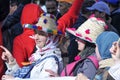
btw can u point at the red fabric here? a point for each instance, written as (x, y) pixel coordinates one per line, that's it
(30, 13)
(2, 66)
(68, 19)
(23, 46)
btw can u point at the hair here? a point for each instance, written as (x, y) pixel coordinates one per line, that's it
(40, 32)
(4, 9)
(114, 5)
(14, 2)
(52, 0)
(88, 50)
(86, 3)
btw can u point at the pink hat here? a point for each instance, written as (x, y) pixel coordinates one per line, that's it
(89, 30)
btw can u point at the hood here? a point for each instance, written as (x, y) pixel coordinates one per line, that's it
(30, 14)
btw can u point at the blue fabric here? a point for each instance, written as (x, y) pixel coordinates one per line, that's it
(104, 42)
(115, 2)
(100, 6)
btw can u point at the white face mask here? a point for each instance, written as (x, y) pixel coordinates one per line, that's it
(115, 72)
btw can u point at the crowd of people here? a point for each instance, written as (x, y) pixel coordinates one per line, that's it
(31, 38)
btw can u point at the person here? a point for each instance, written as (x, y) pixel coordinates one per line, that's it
(115, 13)
(115, 52)
(104, 43)
(4, 11)
(64, 5)
(87, 35)
(45, 47)
(104, 47)
(30, 14)
(52, 8)
(101, 10)
(13, 6)
(83, 16)
(12, 26)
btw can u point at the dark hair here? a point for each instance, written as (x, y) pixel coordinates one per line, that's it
(53, 0)
(4, 9)
(114, 5)
(40, 32)
(86, 3)
(88, 50)
(14, 2)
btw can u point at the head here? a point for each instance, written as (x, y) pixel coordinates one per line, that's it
(13, 6)
(40, 38)
(4, 9)
(113, 4)
(100, 9)
(87, 3)
(64, 5)
(87, 33)
(85, 47)
(48, 24)
(104, 42)
(30, 14)
(51, 6)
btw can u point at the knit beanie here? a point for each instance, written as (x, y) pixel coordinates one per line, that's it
(30, 14)
(104, 42)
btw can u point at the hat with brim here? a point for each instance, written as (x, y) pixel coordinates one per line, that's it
(89, 30)
(100, 6)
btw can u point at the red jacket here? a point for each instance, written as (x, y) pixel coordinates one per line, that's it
(68, 19)
(2, 65)
(23, 46)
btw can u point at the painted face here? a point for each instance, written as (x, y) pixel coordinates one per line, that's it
(81, 44)
(97, 53)
(40, 40)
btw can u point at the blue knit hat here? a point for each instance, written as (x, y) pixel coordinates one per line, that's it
(104, 42)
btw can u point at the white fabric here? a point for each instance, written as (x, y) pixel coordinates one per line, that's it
(50, 63)
(115, 71)
(51, 78)
(12, 68)
(44, 8)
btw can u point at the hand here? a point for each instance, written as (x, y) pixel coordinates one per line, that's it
(7, 77)
(52, 74)
(6, 55)
(81, 77)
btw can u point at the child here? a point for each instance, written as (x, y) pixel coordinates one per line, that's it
(46, 44)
